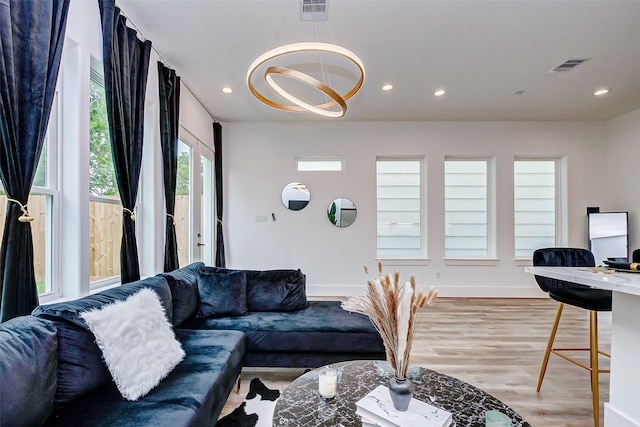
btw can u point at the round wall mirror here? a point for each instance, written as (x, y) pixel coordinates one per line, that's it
(342, 212)
(295, 196)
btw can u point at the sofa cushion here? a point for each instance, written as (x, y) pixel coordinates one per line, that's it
(271, 290)
(28, 363)
(137, 342)
(222, 294)
(193, 394)
(322, 327)
(80, 365)
(276, 290)
(183, 283)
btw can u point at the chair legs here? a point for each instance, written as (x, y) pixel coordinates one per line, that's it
(593, 358)
(552, 337)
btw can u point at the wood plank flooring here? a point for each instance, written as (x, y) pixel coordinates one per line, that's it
(498, 345)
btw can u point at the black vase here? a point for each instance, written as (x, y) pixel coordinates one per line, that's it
(401, 391)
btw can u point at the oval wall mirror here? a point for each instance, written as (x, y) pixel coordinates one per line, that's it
(295, 196)
(342, 212)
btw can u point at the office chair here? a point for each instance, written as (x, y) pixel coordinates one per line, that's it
(578, 295)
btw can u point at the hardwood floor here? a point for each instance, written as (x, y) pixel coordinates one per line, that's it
(498, 346)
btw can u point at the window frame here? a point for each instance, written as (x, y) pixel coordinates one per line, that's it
(561, 202)
(299, 160)
(421, 258)
(52, 193)
(96, 75)
(199, 149)
(490, 184)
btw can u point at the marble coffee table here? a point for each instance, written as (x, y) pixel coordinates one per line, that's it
(300, 404)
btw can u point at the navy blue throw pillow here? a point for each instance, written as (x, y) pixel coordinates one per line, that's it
(222, 294)
(276, 290)
(271, 290)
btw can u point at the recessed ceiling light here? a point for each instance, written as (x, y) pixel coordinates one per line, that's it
(387, 87)
(439, 92)
(601, 92)
(227, 89)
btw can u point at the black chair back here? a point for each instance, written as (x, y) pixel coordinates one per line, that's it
(561, 257)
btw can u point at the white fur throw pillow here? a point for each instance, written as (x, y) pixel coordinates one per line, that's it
(137, 342)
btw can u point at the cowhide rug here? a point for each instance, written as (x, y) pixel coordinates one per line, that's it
(256, 410)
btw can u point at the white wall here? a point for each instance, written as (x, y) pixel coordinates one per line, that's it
(623, 170)
(259, 159)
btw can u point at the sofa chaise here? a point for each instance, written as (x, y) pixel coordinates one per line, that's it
(54, 374)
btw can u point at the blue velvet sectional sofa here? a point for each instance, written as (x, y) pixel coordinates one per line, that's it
(53, 374)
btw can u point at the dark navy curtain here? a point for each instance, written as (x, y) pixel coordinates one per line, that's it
(169, 90)
(217, 145)
(126, 64)
(31, 38)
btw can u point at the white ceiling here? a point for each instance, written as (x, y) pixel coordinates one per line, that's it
(481, 52)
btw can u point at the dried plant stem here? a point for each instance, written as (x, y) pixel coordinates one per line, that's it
(395, 309)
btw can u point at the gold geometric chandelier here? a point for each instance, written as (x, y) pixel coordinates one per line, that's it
(325, 109)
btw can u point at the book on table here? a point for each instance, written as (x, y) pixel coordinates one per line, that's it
(368, 423)
(377, 407)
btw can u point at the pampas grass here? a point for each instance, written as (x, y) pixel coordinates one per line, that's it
(394, 308)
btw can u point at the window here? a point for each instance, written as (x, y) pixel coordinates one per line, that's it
(182, 215)
(320, 165)
(466, 208)
(535, 201)
(105, 208)
(399, 208)
(41, 206)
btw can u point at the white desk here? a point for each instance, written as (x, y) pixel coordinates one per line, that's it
(623, 408)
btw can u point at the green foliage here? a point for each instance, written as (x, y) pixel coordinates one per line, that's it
(102, 180)
(40, 179)
(182, 178)
(332, 213)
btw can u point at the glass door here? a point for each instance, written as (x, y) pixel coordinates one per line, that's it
(206, 233)
(183, 209)
(194, 201)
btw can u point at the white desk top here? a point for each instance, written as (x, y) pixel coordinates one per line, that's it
(628, 283)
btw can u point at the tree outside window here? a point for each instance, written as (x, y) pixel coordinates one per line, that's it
(105, 209)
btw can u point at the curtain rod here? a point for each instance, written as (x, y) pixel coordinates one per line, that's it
(167, 64)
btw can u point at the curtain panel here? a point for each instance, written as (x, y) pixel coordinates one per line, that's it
(217, 145)
(31, 38)
(126, 65)
(169, 90)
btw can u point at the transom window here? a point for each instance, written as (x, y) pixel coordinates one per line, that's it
(320, 165)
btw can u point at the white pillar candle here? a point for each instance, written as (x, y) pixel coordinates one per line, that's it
(328, 382)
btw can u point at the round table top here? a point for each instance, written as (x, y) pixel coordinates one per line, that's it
(301, 405)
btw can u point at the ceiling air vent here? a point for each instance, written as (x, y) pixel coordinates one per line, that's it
(567, 65)
(314, 10)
